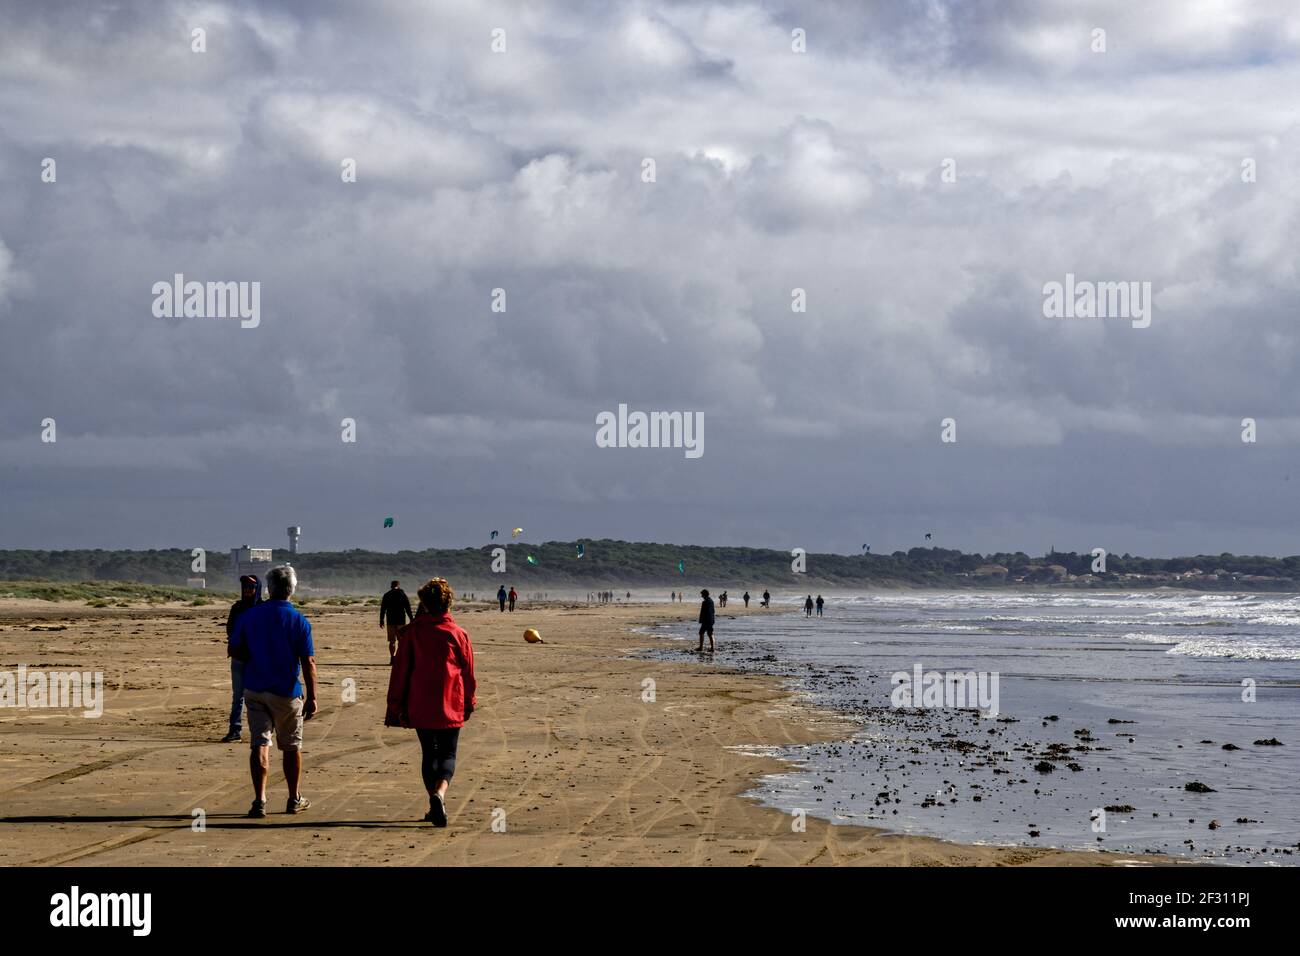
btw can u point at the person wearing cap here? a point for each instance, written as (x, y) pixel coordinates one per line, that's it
(250, 594)
(706, 620)
(432, 689)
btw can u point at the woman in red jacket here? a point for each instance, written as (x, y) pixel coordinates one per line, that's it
(431, 688)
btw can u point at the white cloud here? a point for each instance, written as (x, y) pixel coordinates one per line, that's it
(775, 170)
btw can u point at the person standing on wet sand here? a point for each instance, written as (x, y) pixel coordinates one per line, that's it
(432, 689)
(808, 606)
(512, 597)
(501, 597)
(767, 599)
(745, 597)
(707, 615)
(820, 605)
(396, 607)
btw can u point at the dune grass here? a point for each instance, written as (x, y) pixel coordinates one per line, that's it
(111, 593)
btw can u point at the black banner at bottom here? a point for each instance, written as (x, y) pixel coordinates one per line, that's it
(142, 906)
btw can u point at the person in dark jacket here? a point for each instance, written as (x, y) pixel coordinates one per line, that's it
(250, 594)
(706, 620)
(501, 597)
(808, 607)
(432, 689)
(396, 609)
(820, 604)
(745, 598)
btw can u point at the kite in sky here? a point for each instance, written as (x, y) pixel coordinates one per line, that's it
(531, 559)
(388, 522)
(517, 532)
(681, 567)
(494, 535)
(581, 550)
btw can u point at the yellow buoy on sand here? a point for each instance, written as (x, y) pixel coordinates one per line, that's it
(532, 637)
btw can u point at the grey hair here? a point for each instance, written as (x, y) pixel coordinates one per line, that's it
(281, 581)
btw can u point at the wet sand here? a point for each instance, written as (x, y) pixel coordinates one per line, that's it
(563, 750)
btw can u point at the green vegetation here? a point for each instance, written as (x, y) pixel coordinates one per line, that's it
(104, 593)
(158, 576)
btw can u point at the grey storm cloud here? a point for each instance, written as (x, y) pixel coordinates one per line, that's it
(774, 171)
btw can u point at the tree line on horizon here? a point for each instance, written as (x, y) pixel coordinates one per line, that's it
(622, 564)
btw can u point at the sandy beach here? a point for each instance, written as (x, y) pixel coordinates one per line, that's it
(584, 770)
(563, 749)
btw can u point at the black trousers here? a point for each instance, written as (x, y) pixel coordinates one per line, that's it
(438, 751)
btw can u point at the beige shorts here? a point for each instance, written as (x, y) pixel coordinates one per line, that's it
(269, 712)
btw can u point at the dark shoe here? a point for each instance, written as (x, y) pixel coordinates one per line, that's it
(297, 806)
(258, 810)
(437, 814)
(231, 738)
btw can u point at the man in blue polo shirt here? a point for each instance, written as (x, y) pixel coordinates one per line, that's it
(274, 640)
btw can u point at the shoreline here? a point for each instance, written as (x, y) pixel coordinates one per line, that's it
(583, 770)
(829, 726)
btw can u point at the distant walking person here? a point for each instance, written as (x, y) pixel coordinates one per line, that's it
(706, 620)
(820, 605)
(722, 599)
(808, 606)
(250, 594)
(274, 640)
(501, 597)
(745, 597)
(513, 597)
(767, 599)
(432, 689)
(396, 608)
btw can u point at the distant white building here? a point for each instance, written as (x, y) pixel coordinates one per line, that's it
(246, 560)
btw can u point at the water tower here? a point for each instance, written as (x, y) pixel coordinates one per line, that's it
(294, 533)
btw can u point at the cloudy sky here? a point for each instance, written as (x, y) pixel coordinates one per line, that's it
(775, 170)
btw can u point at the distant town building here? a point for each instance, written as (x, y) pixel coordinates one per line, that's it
(196, 582)
(295, 533)
(246, 560)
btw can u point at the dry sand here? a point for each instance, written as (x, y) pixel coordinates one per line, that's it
(584, 770)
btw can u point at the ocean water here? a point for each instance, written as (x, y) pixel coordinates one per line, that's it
(1126, 696)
